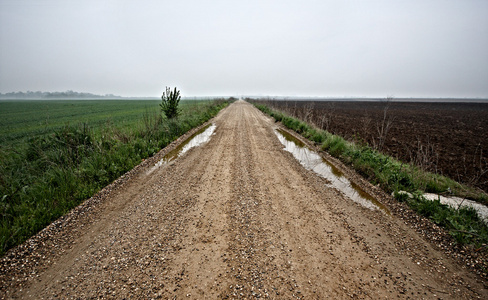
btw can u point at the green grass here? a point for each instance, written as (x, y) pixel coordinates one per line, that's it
(393, 176)
(463, 224)
(55, 154)
(21, 120)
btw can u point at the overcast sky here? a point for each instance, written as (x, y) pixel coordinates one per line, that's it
(413, 48)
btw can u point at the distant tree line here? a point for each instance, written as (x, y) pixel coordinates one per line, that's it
(54, 95)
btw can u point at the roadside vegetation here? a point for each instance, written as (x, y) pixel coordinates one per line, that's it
(50, 165)
(394, 176)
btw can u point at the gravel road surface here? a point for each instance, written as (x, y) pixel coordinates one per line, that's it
(237, 217)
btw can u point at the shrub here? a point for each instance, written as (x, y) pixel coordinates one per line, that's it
(169, 103)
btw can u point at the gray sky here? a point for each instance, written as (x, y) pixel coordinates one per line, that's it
(413, 48)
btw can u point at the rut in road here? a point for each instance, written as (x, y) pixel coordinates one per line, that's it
(240, 218)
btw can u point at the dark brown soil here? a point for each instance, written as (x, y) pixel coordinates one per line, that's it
(448, 138)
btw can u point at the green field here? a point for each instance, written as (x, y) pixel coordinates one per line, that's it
(55, 154)
(21, 120)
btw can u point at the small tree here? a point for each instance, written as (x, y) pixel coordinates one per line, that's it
(169, 103)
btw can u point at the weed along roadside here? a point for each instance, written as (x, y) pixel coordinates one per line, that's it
(45, 176)
(464, 225)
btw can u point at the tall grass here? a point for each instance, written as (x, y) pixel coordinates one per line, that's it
(49, 174)
(394, 176)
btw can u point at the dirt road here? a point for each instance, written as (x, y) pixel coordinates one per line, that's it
(235, 218)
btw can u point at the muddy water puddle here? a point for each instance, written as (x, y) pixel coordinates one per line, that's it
(197, 139)
(456, 203)
(311, 160)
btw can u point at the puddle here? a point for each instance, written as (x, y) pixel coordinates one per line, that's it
(456, 202)
(311, 160)
(198, 138)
